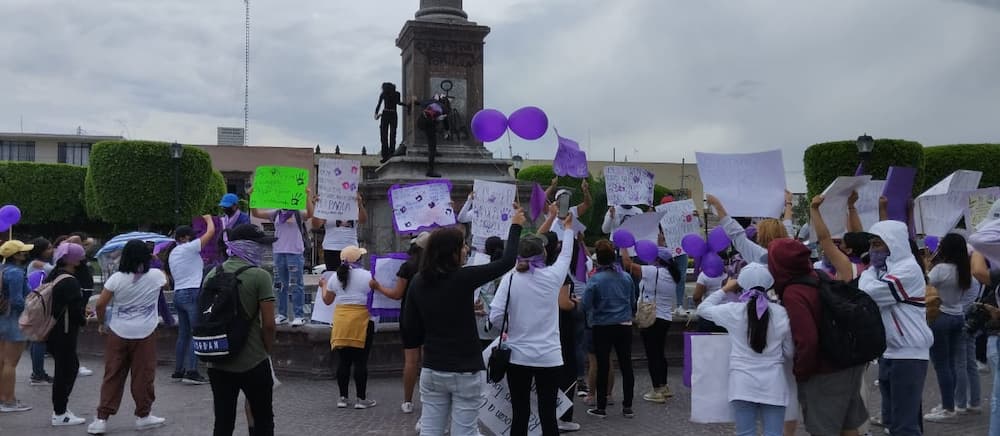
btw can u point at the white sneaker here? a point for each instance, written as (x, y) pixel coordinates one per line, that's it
(566, 426)
(66, 419)
(281, 320)
(149, 421)
(342, 403)
(364, 404)
(298, 322)
(407, 407)
(85, 372)
(940, 416)
(99, 426)
(14, 407)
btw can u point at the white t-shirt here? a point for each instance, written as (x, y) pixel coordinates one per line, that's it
(657, 282)
(133, 306)
(711, 284)
(754, 377)
(339, 237)
(186, 266)
(578, 227)
(357, 287)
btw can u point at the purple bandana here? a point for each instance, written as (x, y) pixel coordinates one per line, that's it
(284, 216)
(761, 299)
(249, 251)
(536, 261)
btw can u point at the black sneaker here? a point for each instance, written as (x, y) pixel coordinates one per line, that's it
(582, 390)
(628, 413)
(41, 380)
(193, 378)
(600, 413)
(177, 376)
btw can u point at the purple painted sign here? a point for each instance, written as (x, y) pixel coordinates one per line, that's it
(421, 206)
(899, 190)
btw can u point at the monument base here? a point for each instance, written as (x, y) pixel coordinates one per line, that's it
(456, 162)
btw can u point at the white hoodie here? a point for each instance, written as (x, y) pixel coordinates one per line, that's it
(899, 293)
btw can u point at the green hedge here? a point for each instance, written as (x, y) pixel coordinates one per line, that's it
(216, 189)
(942, 160)
(825, 162)
(132, 182)
(45, 193)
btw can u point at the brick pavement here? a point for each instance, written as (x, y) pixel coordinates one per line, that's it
(306, 407)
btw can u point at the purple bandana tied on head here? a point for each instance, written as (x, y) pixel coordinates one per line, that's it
(536, 261)
(249, 251)
(761, 299)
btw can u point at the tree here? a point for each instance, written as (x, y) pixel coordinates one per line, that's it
(132, 183)
(825, 162)
(942, 160)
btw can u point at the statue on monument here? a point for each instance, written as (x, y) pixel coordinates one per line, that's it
(388, 100)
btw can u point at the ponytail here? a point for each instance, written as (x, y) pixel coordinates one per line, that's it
(757, 328)
(343, 274)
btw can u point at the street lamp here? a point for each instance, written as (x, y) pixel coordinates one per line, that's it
(518, 163)
(865, 145)
(176, 152)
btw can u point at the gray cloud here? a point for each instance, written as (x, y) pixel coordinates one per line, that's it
(654, 80)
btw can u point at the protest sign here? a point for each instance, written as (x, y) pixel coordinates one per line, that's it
(496, 412)
(644, 226)
(980, 202)
(384, 269)
(279, 188)
(492, 208)
(322, 312)
(749, 184)
(899, 191)
(338, 189)
(958, 181)
(834, 207)
(679, 220)
(421, 206)
(710, 379)
(569, 159)
(936, 215)
(628, 185)
(867, 204)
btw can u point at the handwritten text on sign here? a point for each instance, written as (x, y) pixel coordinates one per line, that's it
(496, 412)
(679, 220)
(279, 188)
(492, 208)
(748, 184)
(421, 206)
(338, 189)
(628, 185)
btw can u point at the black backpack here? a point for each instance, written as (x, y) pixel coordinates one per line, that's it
(222, 327)
(850, 330)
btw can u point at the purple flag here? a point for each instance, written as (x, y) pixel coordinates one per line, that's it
(537, 201)
(899, 190)
(860, 171)
(570, 160)
(581, 263)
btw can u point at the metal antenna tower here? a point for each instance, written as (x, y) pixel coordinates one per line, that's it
(246, 75)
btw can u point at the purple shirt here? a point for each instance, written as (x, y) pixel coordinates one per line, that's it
(286, 229)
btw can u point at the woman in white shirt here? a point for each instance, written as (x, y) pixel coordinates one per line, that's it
(657, 283)
(353, 331)
(130, 347)
(529, 298)
(761, 341)
(340, 234)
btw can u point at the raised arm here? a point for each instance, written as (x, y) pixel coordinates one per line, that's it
(551, 190)
(747, 248)
(629, 266)
(464, 215)
(311, 201)
(209, 230)
(582, 208)
(883, 208)
(476, 276)
(362, 213)
(549, 219)
(609, 217)
(853, 219)
(840, 261)
(980, 270)
(788, 215)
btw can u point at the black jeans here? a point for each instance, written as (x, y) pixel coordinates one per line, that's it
(519, 379)
(430, 132)
(654, 340)
(358, 358)
(257, 386)
(387, 127)
(62, 346)
(618, 337)
(567, 377)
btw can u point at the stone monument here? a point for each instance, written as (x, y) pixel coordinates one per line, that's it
(442, 53)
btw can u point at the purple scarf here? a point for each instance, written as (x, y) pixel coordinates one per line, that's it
(536, 261)
(249, 251)
(762, 302)
(284, 216)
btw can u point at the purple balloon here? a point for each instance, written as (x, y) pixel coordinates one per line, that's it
(712, 265)
(529, 123)
(623, 238)
(646, 250)
(4, 225)
(932, 242)
(718, 240)
(10, 214)
(694, 246)
(488, 125)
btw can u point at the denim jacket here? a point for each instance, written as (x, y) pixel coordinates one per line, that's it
(15, 286)
(609, 298)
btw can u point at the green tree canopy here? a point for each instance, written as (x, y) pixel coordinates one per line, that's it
(826, 161)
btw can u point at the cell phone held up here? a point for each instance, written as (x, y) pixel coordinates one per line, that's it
(563, 204)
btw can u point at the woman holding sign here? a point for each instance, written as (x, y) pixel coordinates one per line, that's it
(340, 234)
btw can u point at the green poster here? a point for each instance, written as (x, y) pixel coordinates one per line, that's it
(279, 188)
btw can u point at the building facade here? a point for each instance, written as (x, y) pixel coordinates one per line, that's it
(49, 148)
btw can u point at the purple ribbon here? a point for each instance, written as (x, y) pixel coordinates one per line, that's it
(761, 299)
(536, 261)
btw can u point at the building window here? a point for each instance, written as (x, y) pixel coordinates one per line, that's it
(74, 153)
(237, 182)
(17, 151)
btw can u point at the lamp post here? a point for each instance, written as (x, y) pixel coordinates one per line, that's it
(518, 163)
(865, 145)
(176, 152)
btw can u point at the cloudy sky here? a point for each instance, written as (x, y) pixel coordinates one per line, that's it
(655, 80)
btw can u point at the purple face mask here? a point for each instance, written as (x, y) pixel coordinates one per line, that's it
(878, 258)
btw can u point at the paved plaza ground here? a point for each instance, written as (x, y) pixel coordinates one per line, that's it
(307, 407)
